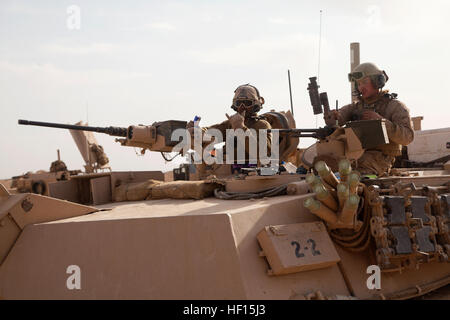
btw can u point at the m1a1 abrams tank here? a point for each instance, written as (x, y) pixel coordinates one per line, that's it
(254, 235)
(260, 233)
(38, 182)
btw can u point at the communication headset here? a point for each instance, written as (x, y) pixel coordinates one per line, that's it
(379, 81)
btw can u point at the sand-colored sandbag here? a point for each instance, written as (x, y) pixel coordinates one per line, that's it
(135, 191)
(183, 190)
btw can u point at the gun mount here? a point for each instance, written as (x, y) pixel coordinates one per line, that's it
(320, 133)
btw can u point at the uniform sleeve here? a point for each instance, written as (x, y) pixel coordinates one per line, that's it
(254, 140)
(345, 114)
(399, 127)
(222, 127)
(261, 125)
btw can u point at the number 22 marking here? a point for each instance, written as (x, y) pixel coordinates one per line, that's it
(297, 246)
(313, 247)
(298, 254)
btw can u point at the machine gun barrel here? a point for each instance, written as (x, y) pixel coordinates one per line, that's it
(319, 133)
(112, 131)
(156, 137)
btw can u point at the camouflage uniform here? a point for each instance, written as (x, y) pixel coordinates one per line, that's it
(246, 97)
(247, 102)
(399, 129)
(255, 123)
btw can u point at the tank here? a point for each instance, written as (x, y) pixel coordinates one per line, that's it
(38, 182)
(261, 237)
(300, 232)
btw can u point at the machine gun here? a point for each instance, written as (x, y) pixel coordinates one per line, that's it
(320, 133)
(156, 137)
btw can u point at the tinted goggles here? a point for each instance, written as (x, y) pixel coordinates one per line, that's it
(246, 103)
(354, 76)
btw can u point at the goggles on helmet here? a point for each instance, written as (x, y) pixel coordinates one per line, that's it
(354, 76)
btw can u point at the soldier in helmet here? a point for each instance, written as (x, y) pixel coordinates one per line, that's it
(375, 103)
(247, 102)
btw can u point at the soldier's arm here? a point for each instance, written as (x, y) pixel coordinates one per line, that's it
(260, 125)
(343, 115)
(264, 125)
(399, 127)
(222, 127)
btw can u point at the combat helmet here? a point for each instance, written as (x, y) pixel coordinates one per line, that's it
(368, 69)
(249, 96)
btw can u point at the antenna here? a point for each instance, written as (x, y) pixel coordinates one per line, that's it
(320, 44)
(87, 112)
(290, 92)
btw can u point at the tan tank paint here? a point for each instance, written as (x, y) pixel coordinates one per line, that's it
(6, 183)
(213, 253)
(19, 211)
(259, 183)
(132, 258)
(180, 249)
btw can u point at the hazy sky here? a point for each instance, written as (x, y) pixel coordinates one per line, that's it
(136, 62)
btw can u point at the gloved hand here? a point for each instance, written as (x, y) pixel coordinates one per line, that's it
(331, 117)
(190, 128)
(370, 115)
(190, 124)
(237, 120)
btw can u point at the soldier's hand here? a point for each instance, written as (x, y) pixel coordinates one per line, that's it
(331, 117)
(190, 124)
(190, 127)
(236, 120)
(370, 115)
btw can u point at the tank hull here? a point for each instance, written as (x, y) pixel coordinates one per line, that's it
(187, 249)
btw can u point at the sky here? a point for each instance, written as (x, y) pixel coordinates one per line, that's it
(136, 62)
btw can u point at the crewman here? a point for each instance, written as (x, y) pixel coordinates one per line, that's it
(247, 102)
(375, 103)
